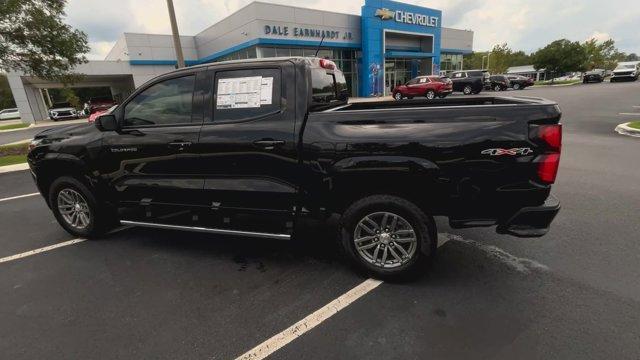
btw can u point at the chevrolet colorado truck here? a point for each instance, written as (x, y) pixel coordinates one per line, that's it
(260, 147)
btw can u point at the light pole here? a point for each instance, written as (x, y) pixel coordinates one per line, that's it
(485, 56)
(176, 35)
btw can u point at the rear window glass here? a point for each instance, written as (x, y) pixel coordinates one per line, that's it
(323, 83)
(437, 79)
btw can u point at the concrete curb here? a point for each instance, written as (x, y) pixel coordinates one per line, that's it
(554, 85)
(624, 129)
(15, 167)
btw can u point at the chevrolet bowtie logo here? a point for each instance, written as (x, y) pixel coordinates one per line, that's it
(385, 14)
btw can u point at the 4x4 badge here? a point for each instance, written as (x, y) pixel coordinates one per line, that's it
(512, 151)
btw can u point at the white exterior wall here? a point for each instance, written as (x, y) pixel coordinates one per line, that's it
(249, 23)
(158, 47)
(457, 39)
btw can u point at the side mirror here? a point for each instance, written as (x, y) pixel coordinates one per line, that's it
(107, 122)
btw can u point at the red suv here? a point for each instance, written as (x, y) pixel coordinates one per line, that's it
(427, 86)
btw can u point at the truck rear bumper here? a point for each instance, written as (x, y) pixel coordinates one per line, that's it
(531, 221)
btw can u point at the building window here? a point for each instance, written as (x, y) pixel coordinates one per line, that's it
(450, 62)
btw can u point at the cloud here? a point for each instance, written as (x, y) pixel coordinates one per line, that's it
(599, 36)
(523, 24)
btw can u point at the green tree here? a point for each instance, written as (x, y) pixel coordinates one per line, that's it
(561, 56)
(603, 55)
(6, 97)
(474, 60)
(34, 39)
(632, 57)
(70, 96)
(500, 59)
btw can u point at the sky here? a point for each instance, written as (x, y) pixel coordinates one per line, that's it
(523, 24)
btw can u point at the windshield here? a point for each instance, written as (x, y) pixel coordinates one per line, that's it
(626, 66)
(61, 105)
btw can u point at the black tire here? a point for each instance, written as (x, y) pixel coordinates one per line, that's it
(101, 219)
(430, 94)
(467, 90)
(516, 86)
(422, 225)
(497, 88)
(398, 96)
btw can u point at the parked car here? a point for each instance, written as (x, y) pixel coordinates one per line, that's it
(96, 114)
(626, 71)
(192, 155)
(100, 104)
(431, 86)
(468, 81)
(11, 113)
(63, 110)
(497, 83)
(519, 82)
(596, 75)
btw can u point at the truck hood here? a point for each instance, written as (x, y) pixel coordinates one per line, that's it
(616, 71)
(64, 132)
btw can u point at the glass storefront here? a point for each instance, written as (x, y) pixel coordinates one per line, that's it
(346, 60)
(450, 62)
(396, 72)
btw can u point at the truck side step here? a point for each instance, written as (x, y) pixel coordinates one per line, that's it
(208, 230)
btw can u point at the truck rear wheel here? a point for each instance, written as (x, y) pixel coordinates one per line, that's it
(387, 236)
(76, 208)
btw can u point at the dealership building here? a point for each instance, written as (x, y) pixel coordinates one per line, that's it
(387, 44)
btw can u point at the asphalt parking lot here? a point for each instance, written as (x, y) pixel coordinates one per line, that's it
(141, 293)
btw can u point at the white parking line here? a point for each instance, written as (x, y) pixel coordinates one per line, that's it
(294, 331)
(630, 114)
(298, 329)
(40, 250)
(19, 197)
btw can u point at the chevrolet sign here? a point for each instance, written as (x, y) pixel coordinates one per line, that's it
(407, 17)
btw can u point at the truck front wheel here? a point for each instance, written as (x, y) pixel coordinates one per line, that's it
(467, 90)
(77, 209)
(387, 236)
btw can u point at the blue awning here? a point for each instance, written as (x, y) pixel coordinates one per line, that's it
(407, 54)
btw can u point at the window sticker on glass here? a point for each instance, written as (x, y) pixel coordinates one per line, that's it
(265, 91)
(243, 92)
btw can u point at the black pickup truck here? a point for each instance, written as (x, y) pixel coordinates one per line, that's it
(256, 148)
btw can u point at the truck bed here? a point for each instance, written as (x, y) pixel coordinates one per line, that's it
(475, 101)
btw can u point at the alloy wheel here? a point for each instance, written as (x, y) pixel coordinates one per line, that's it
(74, 209)
(385, 239)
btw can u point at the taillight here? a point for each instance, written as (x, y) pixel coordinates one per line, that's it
(549, 137)
(548, 167)
(327, 64)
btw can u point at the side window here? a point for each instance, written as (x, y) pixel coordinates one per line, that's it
(423, 80)
(246, 94)
(164, 103)
(412, 82)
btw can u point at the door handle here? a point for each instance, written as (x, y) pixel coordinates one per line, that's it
(180, 144)
(269, 144)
